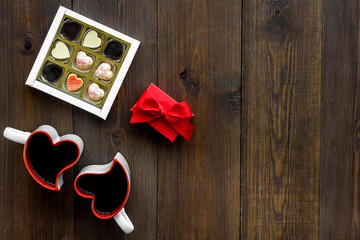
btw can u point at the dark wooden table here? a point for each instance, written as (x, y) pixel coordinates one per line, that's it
(274, 86)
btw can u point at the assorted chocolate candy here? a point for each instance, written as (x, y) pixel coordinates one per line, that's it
(71, 30)
(114, 50)
(104, 71)
(52, 72)
(83, 61)
(60, 51)
(91, 40)
(74, 83)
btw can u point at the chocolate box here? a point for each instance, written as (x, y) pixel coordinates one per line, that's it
(82, 62)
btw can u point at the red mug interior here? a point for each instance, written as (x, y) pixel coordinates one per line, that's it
(46, 161)
(109, 191)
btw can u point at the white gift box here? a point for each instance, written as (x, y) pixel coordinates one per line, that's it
(100, 109)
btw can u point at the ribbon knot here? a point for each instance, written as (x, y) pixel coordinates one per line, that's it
(168, 117)
(162, 111)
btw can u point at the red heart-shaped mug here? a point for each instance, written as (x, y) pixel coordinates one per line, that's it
(46, 154)
(108, 186)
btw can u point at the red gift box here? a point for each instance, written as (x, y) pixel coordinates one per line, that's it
(163, 113)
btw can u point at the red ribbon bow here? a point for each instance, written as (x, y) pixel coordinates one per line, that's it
(163, 113)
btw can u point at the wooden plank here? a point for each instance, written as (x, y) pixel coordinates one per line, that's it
(281, 119)
(339, 186)
(28, 211)
(199, 61)
(135, 142)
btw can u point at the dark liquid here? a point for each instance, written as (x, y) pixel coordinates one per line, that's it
(70, 30)
(114, 50)
(109, 189)
(48, 160)
(52, 72)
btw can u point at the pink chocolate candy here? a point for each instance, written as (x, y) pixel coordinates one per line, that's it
(103, 71)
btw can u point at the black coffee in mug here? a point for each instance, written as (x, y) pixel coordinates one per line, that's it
(46, 154)
(109, 189)
(108, 186)
(48, 160)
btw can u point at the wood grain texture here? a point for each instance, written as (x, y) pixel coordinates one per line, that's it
(281, 119)
(27, 211)
(339, 199)
(105, 138)
(283, 73)
(199, 61)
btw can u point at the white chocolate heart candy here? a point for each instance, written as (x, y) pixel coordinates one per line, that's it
(83, 61)
(95, 92)
(104, 72)
(91, 40)
(60, 51)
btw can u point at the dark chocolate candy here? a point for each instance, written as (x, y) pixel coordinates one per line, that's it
(70, 30)
(113, 50)
(52, 72)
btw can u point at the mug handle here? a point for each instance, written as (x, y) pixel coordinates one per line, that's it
(16, 135)
(124, 221)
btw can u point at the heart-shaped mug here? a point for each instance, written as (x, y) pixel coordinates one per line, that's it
(108, 186)
(46, 154)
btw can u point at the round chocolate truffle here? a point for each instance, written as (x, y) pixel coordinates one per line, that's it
(52, 72)
(114, 50)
